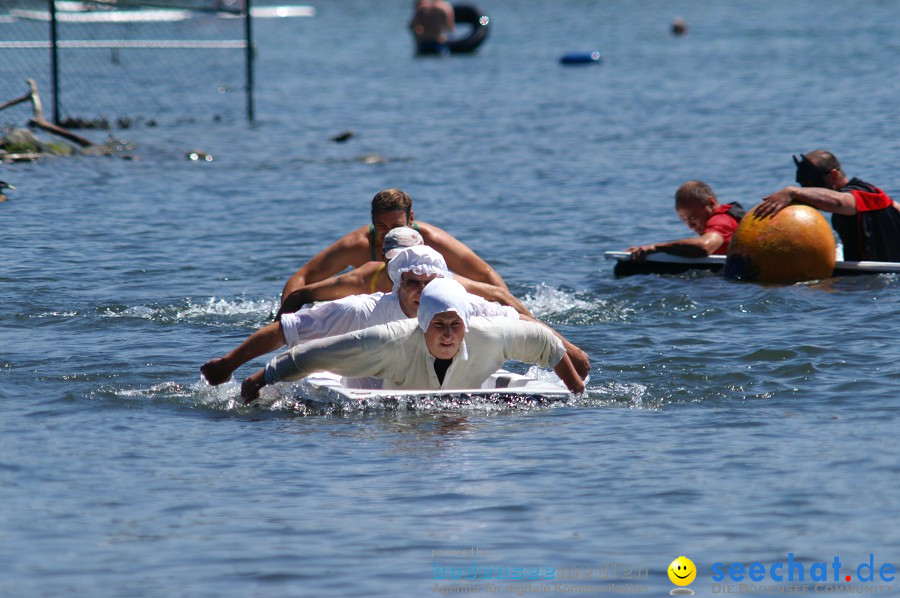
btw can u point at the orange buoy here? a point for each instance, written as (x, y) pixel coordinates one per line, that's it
(795, 244)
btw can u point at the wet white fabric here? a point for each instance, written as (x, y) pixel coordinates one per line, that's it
(442, 295)
(339, 317)
(397, 353)
(361, 311)
(421, 260)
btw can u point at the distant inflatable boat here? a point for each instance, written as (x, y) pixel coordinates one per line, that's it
(663, 263)
(466, 44)
(481, 26)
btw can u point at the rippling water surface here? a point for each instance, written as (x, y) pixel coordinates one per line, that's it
(727, 422)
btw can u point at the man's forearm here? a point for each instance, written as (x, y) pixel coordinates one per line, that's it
(566, 372)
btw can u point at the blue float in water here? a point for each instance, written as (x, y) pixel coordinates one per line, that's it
(581, 58)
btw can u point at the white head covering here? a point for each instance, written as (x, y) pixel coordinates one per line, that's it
(421, 260)
(440, 295)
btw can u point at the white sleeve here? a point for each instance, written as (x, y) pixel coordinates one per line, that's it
(327, 319)
(482, 307)
(367, 352)
(528, 342)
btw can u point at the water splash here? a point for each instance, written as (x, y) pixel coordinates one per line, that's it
(576, 308)
(252, 312)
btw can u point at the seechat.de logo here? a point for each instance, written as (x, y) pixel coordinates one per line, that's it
(682, 572)
(795, 570)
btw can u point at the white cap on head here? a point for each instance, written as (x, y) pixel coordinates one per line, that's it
(421, 260)
(443, 295)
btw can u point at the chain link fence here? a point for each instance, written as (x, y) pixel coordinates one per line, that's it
(123, 62)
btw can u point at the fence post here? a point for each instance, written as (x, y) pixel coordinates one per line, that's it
(248, 34)
(54, 64)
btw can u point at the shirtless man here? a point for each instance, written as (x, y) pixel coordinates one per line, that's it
(430, 24)
(390, 208)
(372, 277)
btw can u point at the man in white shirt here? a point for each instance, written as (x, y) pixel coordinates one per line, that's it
(445, 348)
(410, 270)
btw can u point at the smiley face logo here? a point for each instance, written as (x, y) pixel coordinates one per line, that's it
(682, 571)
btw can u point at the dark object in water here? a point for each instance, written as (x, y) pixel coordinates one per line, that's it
(679, 27)
(342, 137)
(481, 25)
(581, 58)
(4, 185)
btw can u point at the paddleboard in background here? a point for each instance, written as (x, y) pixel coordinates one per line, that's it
(105, 16)
(663, 263)
(281, 12)
(78, 12)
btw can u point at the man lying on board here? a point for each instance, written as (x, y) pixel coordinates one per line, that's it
(445, 348)
(699, 209)
(390, 208)
(865, 218)
(411, 270)
(372, 277)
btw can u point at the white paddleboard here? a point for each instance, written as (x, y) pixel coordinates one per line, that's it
(502, 387)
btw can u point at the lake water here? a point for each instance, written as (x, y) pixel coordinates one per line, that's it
(726, 422)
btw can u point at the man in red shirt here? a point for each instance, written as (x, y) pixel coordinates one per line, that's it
(699, 209)
(866, 219)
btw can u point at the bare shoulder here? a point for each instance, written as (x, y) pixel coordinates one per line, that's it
(434, 236)
(353, 248)
(355, 240)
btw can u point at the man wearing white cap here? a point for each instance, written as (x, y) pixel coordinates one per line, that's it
(446, 348)
(410, 269)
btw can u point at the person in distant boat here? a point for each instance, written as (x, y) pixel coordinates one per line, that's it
(699, 209)
(679, 27)
(4, 185)
(445, 348)
(372, 277)
(431, 22)
(390, 208)
(865, 218)
(411, 269)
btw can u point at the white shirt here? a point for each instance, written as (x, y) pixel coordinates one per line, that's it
(361, 311)
(397, 353)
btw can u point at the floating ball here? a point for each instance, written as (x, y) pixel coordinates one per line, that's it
(581, 58)
(795, 244)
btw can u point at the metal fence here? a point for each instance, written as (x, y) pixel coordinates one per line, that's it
(126, 60)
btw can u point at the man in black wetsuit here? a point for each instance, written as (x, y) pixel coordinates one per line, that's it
(866, 219)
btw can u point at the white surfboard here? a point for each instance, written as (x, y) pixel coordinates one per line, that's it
(502, 387)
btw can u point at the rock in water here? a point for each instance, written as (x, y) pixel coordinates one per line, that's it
(795, 244)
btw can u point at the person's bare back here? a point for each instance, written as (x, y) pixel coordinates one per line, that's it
(432, 21)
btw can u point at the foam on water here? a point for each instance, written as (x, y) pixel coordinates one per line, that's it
(566, 307)
(253, 312)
